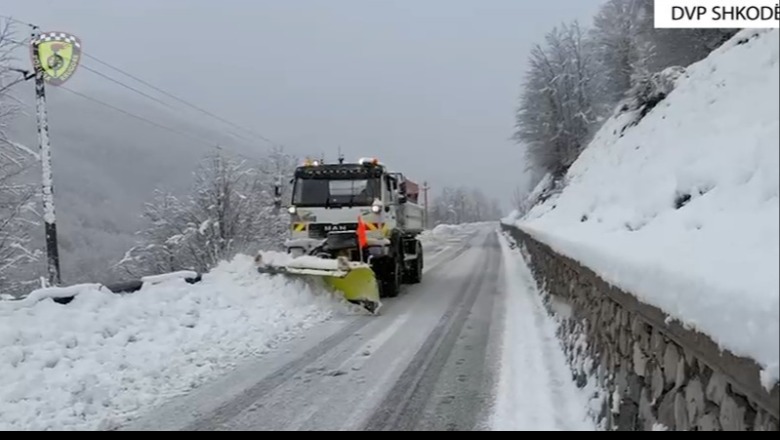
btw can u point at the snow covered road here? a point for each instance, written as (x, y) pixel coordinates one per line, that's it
(439, 357)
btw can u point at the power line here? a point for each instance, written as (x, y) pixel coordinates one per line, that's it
(146, 95)
(128, 87)
(9, 18)
(121, 84)
(125, 112)
(24, 42)
(132, 115)
(159, 101)
(164, 92)
(180, 100)
(156, 124)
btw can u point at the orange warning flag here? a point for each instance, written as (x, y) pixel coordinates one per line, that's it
(361, 232)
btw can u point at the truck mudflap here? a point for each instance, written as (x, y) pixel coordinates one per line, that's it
(355, 281)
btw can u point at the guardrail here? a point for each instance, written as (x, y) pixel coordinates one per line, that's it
(132, 286)
(652, 370)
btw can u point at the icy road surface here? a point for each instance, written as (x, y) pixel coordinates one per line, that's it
(439, 357)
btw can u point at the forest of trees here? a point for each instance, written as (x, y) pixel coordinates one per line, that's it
(462, 205)
(578, 77)
(231, 209)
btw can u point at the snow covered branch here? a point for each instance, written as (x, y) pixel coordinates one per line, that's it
(577, 79)
(230, 210)
(16, 196)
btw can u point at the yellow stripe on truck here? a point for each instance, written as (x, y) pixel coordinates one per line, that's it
(299, 227)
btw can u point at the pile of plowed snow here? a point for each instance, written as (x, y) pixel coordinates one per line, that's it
(99, 360)
(444, 236)
(681, 209)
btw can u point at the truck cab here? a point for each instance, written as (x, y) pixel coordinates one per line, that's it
(328, 203)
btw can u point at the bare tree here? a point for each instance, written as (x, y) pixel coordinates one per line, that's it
(231, 210)
(556, 116)
(16, 196)
(618, 47)
(676, 47)
(629, 49)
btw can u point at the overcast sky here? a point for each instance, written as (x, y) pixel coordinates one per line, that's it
(428, 86)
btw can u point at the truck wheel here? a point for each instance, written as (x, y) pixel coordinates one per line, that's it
(391, 280)
(415, 270)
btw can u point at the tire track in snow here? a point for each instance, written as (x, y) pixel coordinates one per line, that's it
(403, 405)
(248, 398)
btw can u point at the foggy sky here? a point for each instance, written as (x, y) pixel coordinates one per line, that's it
(428, 86)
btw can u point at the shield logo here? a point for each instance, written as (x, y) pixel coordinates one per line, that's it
(57, 54)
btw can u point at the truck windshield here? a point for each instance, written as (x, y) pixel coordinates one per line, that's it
(335, 193)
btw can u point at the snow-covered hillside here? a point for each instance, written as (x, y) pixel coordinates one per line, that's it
(682, 208)
(102, 358)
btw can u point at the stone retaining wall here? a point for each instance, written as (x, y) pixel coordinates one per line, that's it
(656, 372)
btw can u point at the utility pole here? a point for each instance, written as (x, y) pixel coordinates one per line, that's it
(425, 189)
(55, 56)
(49, 218)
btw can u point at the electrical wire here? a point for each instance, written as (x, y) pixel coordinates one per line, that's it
(180, 100)
(133, 115)
(156, 124)
(159, 90)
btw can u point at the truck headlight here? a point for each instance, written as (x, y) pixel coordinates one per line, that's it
(292, 210)
(376, 209)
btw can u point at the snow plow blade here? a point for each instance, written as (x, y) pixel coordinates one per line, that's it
(354, 280)
(359, 286)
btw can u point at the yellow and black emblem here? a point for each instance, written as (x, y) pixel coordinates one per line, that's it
(57, 54)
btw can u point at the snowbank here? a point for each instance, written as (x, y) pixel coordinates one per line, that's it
(283, 259)
(441, 230)
(535, 390)
(180, 275)
(39, 295)
(443, 236)
(103, 358)
(512, 217)
(682, 208)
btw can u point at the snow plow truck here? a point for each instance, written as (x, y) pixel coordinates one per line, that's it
(356, 226)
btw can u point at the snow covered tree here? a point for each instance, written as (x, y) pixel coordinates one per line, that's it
(573, 82)
(557, 115)
(274, 172)
(629, 48)
(676, 47)
(618, 48)
(231, 210)
(463, 205)
(16, 196)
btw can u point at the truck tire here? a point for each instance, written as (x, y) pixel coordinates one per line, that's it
(390, 285)
(414, 272)
(388, 276)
